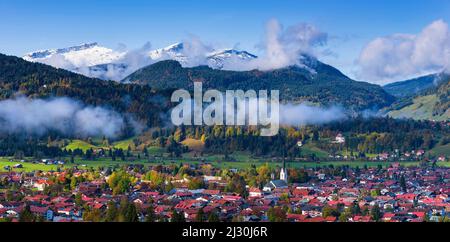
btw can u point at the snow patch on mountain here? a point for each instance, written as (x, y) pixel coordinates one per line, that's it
(71, 58)
(97, 61)
(220, 58)
(214, 59)
(173, 52)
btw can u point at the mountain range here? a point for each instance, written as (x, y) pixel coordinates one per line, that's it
(143, 90)
(85, 55)
(325, 86)
(36, 80)
(430, 103)
(413, 86)
(314, 82)
(96, 61)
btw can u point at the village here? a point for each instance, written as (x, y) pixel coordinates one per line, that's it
(202, 193)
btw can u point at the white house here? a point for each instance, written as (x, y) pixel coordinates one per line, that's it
(340, 139)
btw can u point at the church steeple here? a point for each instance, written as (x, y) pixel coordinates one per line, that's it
(283, 172)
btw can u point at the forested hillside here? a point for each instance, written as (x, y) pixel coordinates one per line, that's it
(319, 83)
(431, 104)
(412, 86)
(35, 80)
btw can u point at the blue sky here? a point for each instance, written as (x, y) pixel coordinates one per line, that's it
(28, 25)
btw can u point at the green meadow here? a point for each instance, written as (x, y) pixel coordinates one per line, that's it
(216, 161)
(238, 160)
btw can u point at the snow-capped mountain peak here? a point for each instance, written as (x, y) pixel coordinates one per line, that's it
(46, 53)
(227, 53)
(214, 59)
(173, 52)
(94, 60)
(217, 59)
(79, 56)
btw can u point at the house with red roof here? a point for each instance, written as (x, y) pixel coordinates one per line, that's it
(255, 192)
(361, 219)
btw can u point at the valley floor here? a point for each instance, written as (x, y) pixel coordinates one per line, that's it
(107, 162)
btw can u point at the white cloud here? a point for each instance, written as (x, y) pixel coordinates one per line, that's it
(304, 114)
(401, 56)
(283, 47)
(280, 48)
(37, 116)
(129, 62)
(196, 51)
(59, 61)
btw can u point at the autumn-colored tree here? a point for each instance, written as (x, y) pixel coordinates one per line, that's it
(276, 214)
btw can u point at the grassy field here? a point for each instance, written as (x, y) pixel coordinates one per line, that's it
(97, 144)
(368, 155)
(309, 149)
(124, 144)
(79, 144)
(422, 108)
(441, 150)
(193, 144)
(239, 160)
(27, 167)
(106, 162)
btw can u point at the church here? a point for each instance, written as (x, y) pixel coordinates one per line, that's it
(280, 183)
(284, 172)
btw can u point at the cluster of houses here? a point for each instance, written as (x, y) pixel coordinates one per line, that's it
(423, 196)
(396, 155)
(414, 155)
(409, 155)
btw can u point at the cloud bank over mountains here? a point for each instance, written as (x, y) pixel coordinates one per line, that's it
(402, 56)
(383, 60)
(284, 47)
(280, 48)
